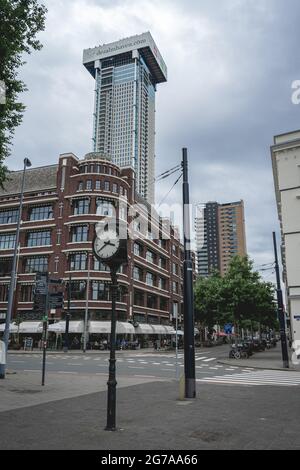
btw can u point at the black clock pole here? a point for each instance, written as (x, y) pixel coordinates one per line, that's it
(112, 383)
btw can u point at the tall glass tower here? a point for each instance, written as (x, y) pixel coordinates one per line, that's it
(126, 73)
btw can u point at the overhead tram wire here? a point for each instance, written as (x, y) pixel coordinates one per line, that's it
(177, 167)
(166, 174)
(165, 197)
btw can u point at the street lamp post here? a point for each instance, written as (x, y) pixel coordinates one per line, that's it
(281, 316)
(27, 164)
(66, 343)
(86, 305)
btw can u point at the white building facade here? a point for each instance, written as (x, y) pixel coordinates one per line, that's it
(286, 169)
(126, 73)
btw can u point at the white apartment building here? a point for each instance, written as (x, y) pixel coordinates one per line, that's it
(286, 169)
(126, 73)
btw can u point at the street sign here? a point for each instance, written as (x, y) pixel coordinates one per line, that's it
(228, 329)
(56, 281)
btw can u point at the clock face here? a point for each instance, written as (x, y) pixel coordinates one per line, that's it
(106, 244)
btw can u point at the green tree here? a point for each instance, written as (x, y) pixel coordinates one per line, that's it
(209, 301)
(239, 297)
(20, 22)
(239, 290)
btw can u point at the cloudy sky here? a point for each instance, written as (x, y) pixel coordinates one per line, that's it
(231, 64)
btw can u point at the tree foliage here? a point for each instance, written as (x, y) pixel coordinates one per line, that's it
(20, 22)
(240, 297)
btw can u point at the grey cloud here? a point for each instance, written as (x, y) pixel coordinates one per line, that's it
(231, 64)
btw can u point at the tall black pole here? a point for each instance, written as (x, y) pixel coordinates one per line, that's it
(66, 343)
(112, 383)
(12, 284)
(188, 295)
(45, 328)
(281, 317)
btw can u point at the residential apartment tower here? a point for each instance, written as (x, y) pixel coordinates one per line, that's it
(220, 235)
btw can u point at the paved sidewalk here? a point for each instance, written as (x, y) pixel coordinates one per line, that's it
(268, 359)
(23, 389)
(149, 416)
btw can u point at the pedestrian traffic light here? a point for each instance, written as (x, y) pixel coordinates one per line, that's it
(39, 302)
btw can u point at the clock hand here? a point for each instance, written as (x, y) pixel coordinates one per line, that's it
(105, 244)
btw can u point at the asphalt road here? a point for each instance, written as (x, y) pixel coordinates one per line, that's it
(152, 365)
(160, 365)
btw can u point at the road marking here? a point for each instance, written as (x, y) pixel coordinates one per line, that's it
(66, 372)
(73, 364)
(132, 367)
(146, 376)
(211, 359)
(32, 370)
(168, 370)
(156, 363)
(201, 358)
(263, 377)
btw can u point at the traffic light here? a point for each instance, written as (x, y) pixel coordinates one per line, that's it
(39, 303)
(56, 300)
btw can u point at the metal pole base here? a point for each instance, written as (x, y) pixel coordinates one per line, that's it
(190, 388)
(2, 371)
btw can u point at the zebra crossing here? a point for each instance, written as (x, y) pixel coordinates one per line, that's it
(256, 378)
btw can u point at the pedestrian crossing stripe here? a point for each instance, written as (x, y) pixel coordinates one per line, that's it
(263, 377)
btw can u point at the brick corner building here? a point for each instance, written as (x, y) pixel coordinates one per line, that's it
(62, 203)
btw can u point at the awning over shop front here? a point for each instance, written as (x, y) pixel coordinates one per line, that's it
(125, 328)
(144, 329)
(60, 327)
(99, 327)
(181, 332)
(147, 329)
(31, 327)
(162, 329)
(13, 328)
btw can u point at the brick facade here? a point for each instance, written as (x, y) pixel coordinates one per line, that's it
(58, 225)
